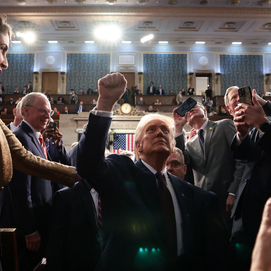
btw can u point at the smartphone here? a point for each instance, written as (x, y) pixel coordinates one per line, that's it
(186, 106)
(245, 95)
(52, 125)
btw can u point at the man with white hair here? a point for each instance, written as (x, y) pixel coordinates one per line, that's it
(151, 219)
(31, 196)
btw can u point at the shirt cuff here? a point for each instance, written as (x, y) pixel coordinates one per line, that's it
(232, 194)
(28, 235)
(102, 113)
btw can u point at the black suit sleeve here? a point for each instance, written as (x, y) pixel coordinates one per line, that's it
(57, 241)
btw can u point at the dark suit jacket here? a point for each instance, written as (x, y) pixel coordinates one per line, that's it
(62, 157)
(77, 108)
(153, 90)
(28, 205)
(158, 92)
(73, 243)
(190, 91)
(255, 185)
(132, 215)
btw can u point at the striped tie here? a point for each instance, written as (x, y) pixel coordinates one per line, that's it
(100, 220)
(42, 143)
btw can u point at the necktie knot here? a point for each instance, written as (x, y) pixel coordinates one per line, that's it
(160, 177)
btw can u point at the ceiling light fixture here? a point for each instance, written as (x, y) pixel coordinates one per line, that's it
(52, 41)
(80, 1)
(16, 41)
(108, 32)
(200, 42)
(269, 43)
(29, 37)
(163, 42)
(236, 43)
(50, 1)
(147, 38)
(126, 41)
(89, 41)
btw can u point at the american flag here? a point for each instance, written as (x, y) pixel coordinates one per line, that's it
(123, 141)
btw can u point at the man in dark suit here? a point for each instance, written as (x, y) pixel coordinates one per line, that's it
(190, 90)
(29, 88)
(255, 185)
(151, 219)
(28, 209)
(80, 107)
(151, 90)
(73, 243)
(160, 91)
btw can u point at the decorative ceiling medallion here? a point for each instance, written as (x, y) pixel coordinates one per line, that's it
(172, 2)
(267, 25)
(203, 60)
(50, 60)
(142, 2)
(264, 3)
(50, 1)
(203, 2)
(21, 2)
(234, 2)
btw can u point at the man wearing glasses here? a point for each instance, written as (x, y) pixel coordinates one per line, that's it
(175, 164)
(28, 207)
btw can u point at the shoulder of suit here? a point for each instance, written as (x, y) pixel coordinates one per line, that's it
(223, 122)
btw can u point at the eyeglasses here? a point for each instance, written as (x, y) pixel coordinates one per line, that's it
(43, 112)
(175, 164)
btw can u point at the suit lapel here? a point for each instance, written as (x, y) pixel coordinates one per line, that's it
(209, 133)
(184, 198)
(31, 134)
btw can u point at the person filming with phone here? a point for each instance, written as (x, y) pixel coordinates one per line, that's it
(208, 154)
(54, 144)
(254, 146)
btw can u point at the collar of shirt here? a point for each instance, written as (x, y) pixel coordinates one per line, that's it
(36, 133)
(152, 170)
(203, 127)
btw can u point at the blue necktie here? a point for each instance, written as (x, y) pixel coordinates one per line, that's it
(201, 138)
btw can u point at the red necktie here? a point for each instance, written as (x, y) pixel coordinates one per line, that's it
(42, 143)
(168, 212)
(100, 220)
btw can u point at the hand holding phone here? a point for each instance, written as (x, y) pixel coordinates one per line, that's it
(245, 95)
(52, 125)
(186, 106)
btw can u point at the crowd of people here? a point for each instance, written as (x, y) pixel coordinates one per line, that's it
(187, 203)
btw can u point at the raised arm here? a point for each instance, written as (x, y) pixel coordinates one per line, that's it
(91, 147)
